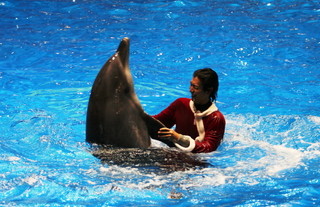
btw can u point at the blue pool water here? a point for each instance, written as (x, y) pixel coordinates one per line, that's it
(267, 54)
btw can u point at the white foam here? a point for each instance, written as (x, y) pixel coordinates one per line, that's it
(13, 158)
(315, 119)
(251, 135)
(206, 177)
(255, 148)
(313, 151)
(33, 179)
(280, 158)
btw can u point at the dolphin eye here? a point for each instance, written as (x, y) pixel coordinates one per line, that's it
(126, 90)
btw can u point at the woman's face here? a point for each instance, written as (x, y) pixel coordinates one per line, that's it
(198, 95)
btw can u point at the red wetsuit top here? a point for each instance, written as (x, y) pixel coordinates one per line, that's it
(180, 114)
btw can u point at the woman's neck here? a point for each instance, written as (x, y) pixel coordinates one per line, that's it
(203, 107)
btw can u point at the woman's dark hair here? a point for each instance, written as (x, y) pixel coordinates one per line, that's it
(209, 79)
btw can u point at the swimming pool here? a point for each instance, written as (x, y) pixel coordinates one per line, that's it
(267, 56)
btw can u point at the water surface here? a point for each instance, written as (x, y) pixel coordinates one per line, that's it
(266, 54)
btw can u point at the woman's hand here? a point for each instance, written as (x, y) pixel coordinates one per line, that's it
(173, 136)
(169, 134)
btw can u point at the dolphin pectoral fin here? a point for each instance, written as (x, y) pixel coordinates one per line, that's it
(153, 126)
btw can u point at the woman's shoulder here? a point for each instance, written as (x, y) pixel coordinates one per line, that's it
(182, 101)
(217, 115)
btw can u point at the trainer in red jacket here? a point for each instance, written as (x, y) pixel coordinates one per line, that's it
(199, 124)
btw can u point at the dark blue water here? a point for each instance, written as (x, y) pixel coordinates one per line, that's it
(267, 55)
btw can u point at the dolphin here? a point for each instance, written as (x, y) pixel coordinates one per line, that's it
(117, 125)
(114, 114)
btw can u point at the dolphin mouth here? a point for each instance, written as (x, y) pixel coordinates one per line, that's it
(123, 51)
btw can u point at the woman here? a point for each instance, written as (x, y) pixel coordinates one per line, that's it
(199, 124)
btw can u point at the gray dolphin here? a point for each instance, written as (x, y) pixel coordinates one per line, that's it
(115, 115)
